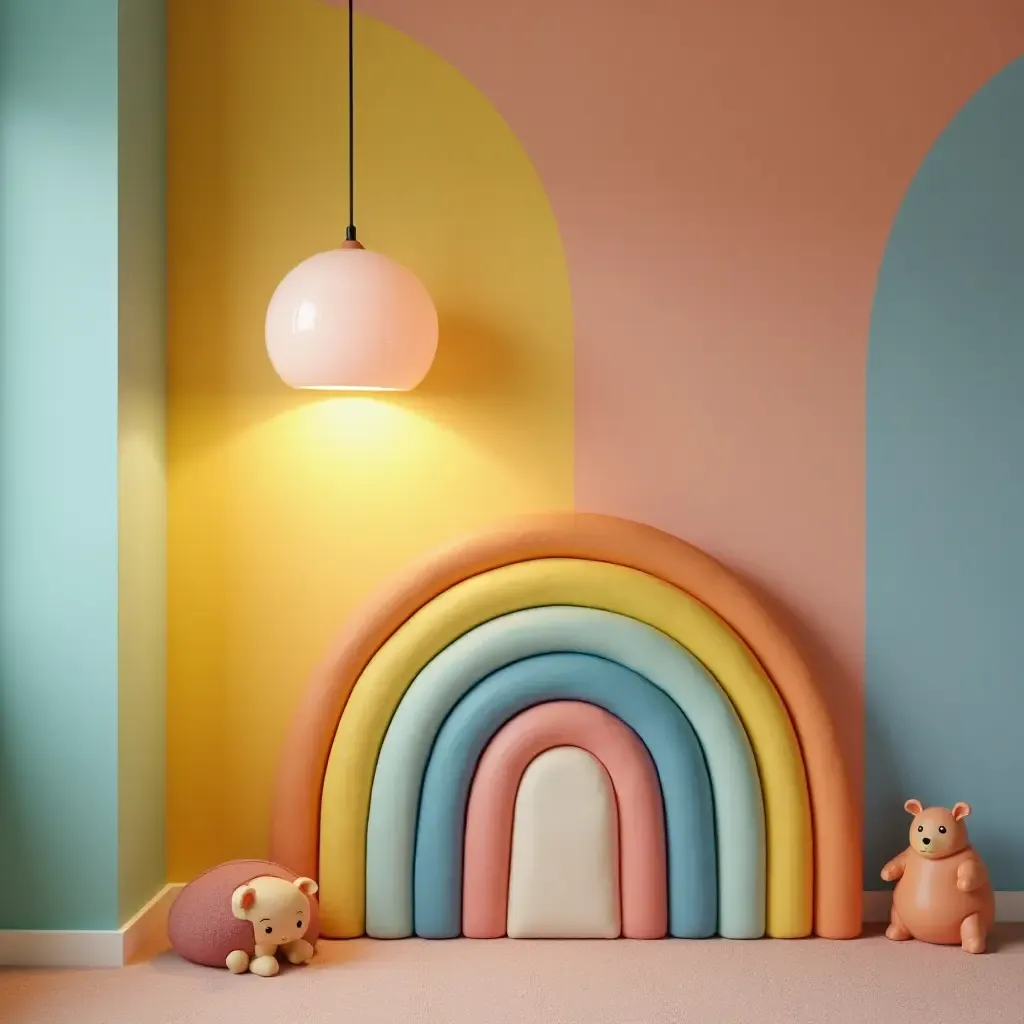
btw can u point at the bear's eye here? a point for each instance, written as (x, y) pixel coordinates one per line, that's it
(942, 829)
(298, 924)
(920, 828)
(268, 929)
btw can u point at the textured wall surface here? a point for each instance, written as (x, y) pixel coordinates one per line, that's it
(655, 234)
(285, 508)
(82, 539)
(725, 177)
(58, 464)
(723, 180)
(945, 551)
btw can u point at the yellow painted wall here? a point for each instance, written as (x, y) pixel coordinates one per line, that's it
(285, 508)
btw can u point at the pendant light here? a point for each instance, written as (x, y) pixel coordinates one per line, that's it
(350, 319)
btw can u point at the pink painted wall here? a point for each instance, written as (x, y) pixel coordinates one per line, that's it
(725, 176)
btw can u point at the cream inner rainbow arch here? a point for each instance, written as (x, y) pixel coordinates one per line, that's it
(566, 708)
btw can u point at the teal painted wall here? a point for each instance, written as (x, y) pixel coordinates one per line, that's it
(142, 499)
(58, 463)
(945, 492)
(60, 311)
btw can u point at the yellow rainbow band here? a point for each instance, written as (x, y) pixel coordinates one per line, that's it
(348, 781)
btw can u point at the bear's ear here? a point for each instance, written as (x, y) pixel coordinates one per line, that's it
(242, 900)
(960, 811)
(306, 885)
(913, 807)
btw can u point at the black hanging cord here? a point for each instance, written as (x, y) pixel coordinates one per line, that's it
(350, 231)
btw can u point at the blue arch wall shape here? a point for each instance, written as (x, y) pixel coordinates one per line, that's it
(945, 491)
(653, 716)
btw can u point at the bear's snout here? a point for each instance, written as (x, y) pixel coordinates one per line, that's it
(935, 833)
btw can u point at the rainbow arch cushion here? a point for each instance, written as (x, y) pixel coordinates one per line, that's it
(527, 786)
(403, 757)
(488, 619)
(663, 730)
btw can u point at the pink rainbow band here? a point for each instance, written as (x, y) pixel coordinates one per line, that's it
(492, 802)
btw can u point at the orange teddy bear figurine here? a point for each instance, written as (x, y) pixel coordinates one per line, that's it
(943, 894)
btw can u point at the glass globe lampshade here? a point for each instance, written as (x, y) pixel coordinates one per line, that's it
(351, 320)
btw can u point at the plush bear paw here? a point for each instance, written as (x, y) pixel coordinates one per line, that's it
(237, 961)
(298, 952)
(265, 966)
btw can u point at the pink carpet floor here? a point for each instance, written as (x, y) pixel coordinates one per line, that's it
(868, 981)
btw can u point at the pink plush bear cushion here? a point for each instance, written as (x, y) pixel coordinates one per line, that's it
(201, 926)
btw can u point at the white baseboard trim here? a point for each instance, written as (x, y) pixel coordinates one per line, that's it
(1009, 906)
(144, 935)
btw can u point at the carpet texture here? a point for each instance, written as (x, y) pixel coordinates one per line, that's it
(867, 981)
